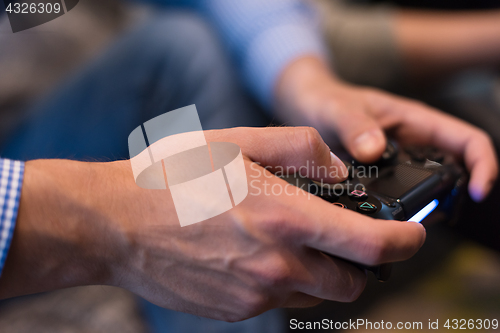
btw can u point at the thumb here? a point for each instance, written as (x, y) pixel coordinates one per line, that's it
(287, 150)
(360, 134)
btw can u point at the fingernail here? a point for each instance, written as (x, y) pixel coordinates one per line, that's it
(424, 236)
(340, 165)
(477, 194)
(368, 144)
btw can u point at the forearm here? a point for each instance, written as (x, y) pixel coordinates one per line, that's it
(438, 43)
(62, 237)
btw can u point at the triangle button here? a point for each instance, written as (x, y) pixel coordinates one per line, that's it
(367, 207)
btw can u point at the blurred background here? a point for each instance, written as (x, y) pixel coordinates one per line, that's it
(374, 43)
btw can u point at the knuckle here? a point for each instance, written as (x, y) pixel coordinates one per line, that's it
(250, 303)
(286, 229)
(274, 271)
(255, 303)
(354, 290)
(484, 137)
(376, 252)
(277, 274)
(313, 141)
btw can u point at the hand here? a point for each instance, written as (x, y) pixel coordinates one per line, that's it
(89, 223)
(307, 94)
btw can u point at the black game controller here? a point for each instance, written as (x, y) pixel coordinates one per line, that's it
(404, 185)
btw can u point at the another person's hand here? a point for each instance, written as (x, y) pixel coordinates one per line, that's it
(89, 223)
(307, 94)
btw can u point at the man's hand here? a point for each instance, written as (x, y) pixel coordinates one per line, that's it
(307, 94)
(89, 223)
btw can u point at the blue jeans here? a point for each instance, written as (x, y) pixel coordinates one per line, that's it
(172, 60)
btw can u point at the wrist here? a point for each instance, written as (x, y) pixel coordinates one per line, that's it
(62, 237)
(302, 88)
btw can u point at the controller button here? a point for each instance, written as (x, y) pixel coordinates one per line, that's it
(358, 195)
(367, 207)
(338, 204)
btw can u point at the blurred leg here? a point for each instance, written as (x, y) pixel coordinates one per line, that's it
(171, 61)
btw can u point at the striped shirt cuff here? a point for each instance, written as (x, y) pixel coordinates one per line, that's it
(11, 179)
(265, 36)
(275, 49)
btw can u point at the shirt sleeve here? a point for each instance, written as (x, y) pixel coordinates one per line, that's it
(11, 179)
(263, 36)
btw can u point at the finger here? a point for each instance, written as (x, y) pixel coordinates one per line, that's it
(287, 150)
(330, 278)
(369, 241)
(480, 159)
(362, 136)
(484, 172)
(427, 126)
(350, 235)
